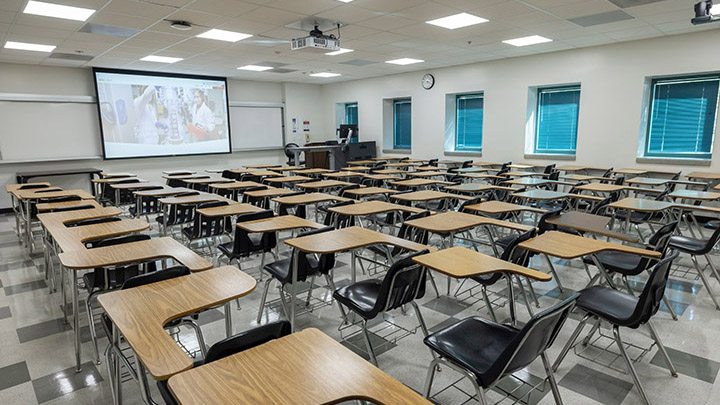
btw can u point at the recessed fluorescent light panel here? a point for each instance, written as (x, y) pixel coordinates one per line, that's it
(222, 35)
(404, 61)
(24, 46)
(160, 59)
(255, 68)
(345, 1)
(340, 52)
(324, 74)
(452, 22)
(524, 41)
(58, 11)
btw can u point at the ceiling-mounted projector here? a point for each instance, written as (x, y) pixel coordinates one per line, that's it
(316, 41)
(705, 12)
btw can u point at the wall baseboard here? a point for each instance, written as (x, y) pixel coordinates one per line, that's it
(6, 210)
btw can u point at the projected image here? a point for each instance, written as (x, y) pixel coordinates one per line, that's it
(144, 115)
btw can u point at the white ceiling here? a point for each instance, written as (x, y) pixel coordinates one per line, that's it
(378, 30)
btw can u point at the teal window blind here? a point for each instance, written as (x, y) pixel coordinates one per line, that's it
(402, 124)
(351, 113)
(557, 120)
(468, 122)
(682, 117)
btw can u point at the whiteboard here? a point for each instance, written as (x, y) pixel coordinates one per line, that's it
(257, 127)
(38, 130)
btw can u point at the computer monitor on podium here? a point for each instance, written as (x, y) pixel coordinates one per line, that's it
(348, 133)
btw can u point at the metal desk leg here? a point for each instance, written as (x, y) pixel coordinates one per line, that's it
(28, 220)
(117, 197)
(353, 266)
(166, 216)
(294, 267)
(117, 400)
(511, 299)
(452, 243)
(76, 321)
(228, 320)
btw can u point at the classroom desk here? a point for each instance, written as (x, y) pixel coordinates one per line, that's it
(23, 177)
(427, 195)
(228, 210)
(133, 187)
(602, 187)
(584, 222)
(308, 198)
(340, 240)
(471, 170)
(582, 177)
(357, 168)
(208, 180)
(164, 192)
(43, 207)
(13, 187)
(452, 222)
(705, 176)
(139, 314)
(382, 177)
(480, 176)
(513, 173)
(278, 224)
(646, 181)
(523, 166)
(312, 171)
(323, 184)
(368, 191)
(177, 172)
(473, 188)
(389, 171)
(636, 172)
(500, 207)
(73, 238)
(404, 164)
(641, 205)
(26, 197)
(389, 158)
(372, 207)
(288, 168)
(362, 162)
(426, 173)
(110, 180)
(252, 376)
(134, 252)
(527, 181)
(418, 182)
(344, 174)
(485, 164)
(694, 195)
(541, 195)
(263, 173)
(568, 246)
(184, 176)
(191, 199)
(460, 262)
(286, 179)
(270, 192)
(235, 185)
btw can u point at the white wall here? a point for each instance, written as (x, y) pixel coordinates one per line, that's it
(304, 103)
(78, 82)
(612, 79)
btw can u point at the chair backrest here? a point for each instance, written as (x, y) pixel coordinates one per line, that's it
(515, 254)
(543, 225)
(600, 206)
(649, 300)
(549, 168)
(32, 186)
(242, 245)
(711, 242)
(227, 174)
(608, 172)
(284, 209)
(338, 220)
(343, 189)
(175, 183)
(259, 201)
(533, 339)
(433, 162)
(155, 276)
(247, 340)
(119, 240)
(325, 263)
(466, 164)
(76, 208)
(148, 204)
(94, 221)
(205, 226)
(412, 234)
(619, 180)
(472, 201)
(403, 283)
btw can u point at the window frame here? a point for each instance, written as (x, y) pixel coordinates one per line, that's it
(646, 153)
(538, 106)
(458, 97)
(395, 121)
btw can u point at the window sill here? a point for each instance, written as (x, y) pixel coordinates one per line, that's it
(674, 161)
(463, 153)
(397, 150)
(549, 156)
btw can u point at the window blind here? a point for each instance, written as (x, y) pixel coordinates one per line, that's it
(469, 122)
(402, 124)
(557, 120)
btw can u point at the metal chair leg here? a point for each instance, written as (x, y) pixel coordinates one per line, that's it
(430, 377)
(594, 329)
(262, 300)
(554, 273)
(198, 335)
(524, 295)
(705, 281)
(532, 292)
(366, 335)
(310, 290)
(483, 290)
(570, 342)
(434, 286)
(628, 362)
(551, 378)
(91, 325)
(661, 348)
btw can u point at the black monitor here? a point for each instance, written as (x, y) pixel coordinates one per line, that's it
(348, 131)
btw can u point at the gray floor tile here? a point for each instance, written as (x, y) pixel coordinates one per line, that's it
(16, 265)
(212, 315)
(518, 386)
(13, 375)
(66, 381)
(5, 312)
(41, 330)
(356, 343)
(446, 305)
(555, 293)
(24, 287)
(689, 364)
(595, 384)
(444, 324)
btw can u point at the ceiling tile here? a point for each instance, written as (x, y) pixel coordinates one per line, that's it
(602, 18)
(136, 8)
(122, 20)
(427, 11)
(504, 10)
(309, 7)
(349, 14)
(7, 16)
(12, 5)
(588, 7)
(228, 8)
(273, 16)
(386, 6)
(386, 22)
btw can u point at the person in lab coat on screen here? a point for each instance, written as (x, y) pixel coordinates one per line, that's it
(146, 116)
(203, 120)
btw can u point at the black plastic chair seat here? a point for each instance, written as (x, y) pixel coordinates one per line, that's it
(635, 217)
(280, 269)
(505, 241)
(487, 279)
(689, 245)
(361, 297)
(615, 306)
(380, 249)
(474, 344)
(712, 224)
(92, 282)
(205, 232)
(623, 263)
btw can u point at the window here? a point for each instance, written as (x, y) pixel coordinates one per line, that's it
(468, 122)
(401, 124)
(351, 113)
(557, 120)
(682, 117)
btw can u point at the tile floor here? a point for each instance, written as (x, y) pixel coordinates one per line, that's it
(36, 355)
